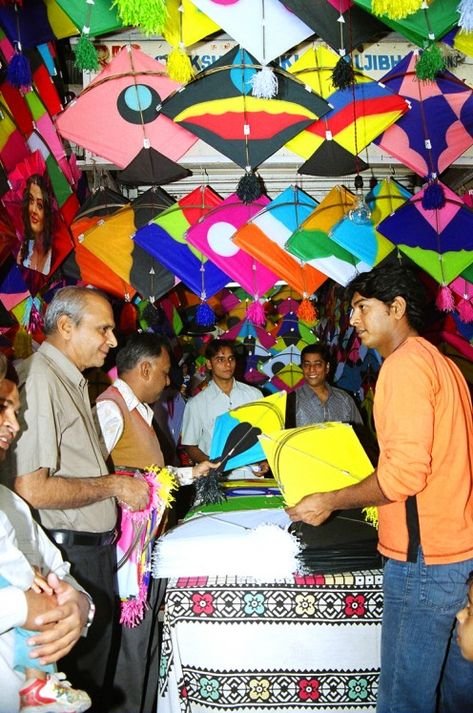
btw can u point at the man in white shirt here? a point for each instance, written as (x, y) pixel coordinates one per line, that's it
(24, 544)
(222, 394)
(126, 423)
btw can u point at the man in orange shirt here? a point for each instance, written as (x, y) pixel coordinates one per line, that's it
(423, 485)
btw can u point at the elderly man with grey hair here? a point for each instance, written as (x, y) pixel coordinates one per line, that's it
(58, 468)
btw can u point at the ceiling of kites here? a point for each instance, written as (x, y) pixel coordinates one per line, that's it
(249, 151)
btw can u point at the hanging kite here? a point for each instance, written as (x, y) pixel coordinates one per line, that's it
(164, 237)
(217, 106)
(440, 241)
(342, 25)
(213, 234)
(437, 129)
(360, 113)
(129, 93)
(311, 241)
(361, 237)
(111, 240)
(265, 235)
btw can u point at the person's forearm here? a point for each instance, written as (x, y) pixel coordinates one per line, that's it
(44, 492)
(362, 494)
(195, 454)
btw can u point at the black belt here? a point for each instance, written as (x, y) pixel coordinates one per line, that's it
(76, 537)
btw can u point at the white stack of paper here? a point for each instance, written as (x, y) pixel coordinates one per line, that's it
(249, 543)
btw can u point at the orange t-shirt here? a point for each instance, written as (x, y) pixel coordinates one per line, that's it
(424, 425)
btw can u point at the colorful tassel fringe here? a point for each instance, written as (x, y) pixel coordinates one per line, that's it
(19, 71)
(179, 65)
(465, 8)
(255, 313)
(150, 15)
(433, 197)
(264, 84)
(306, 312)
(85, 55)
(445, 301)
(465, 309)
(249, 187)
(395, 9)
(205, 316)
(371, 515)
(430, 63)
(343, 75)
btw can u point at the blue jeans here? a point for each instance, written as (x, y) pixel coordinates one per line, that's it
(422, 669)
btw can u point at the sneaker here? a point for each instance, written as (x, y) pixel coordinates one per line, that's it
(53, 695)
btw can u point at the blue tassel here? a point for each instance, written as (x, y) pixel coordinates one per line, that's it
(205, 316)
(434, 196)
(19, 71)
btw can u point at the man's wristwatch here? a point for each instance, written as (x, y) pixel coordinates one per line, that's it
(90, 615)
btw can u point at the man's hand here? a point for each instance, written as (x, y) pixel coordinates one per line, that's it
(132, 492)
(62, 625)
(201, 469)
(313, 509)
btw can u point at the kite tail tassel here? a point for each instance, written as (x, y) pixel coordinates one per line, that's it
(395, 9)
(434, 196)
(264, 84)
(430, 63)
(255, 313)
(128, 318)
(465, 310)
(19, 71)
(208, 490)
(371, 515)
(343, 75)
(249, 187)
(150, 15)
(445, 300)
(306, 312)
(205, 316)
(465, 8)
(179, 65)
(85, 54)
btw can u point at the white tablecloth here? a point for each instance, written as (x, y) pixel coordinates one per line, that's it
(305, 643)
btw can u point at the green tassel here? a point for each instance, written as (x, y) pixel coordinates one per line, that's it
(150, 15)
(85, 55)
(430, 63)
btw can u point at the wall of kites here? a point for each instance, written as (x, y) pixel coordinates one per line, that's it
(218, 176)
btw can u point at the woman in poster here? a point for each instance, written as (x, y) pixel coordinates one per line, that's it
(36, 251)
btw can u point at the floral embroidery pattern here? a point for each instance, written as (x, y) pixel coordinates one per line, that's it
(259, 689)
(209, 688)
(358, 689)
(355, 605)
(305, 604)
(309, 689)
(254, 603)
(202, 603)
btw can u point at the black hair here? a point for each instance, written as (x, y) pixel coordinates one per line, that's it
(141, 345)
(318, 348)
(389, 280)
(216, 345)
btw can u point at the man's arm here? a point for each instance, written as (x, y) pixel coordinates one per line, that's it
(44, 492)
(314, 509)
(195, 454)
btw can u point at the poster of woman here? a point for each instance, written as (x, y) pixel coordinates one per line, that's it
(36, 248)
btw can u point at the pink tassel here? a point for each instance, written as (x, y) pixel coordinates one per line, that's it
(133, 610)
(445, 301)
(255, 313)
(465, 310)
(306, 312)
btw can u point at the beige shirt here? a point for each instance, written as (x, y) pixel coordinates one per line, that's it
(58, 433)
